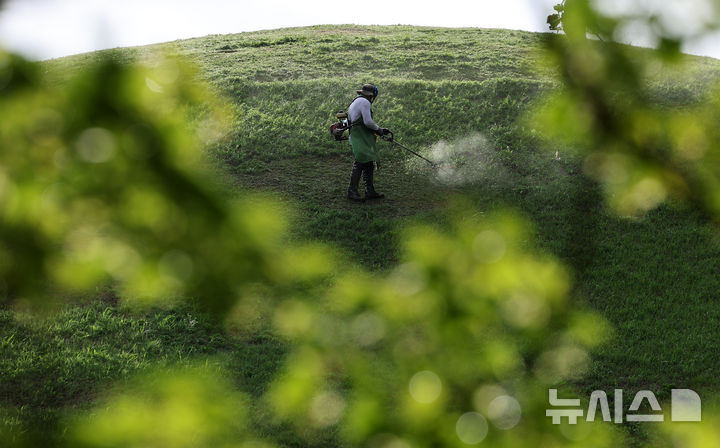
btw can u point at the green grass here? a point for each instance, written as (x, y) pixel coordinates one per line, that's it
(63, 362)
(655, 279)
(57, 366)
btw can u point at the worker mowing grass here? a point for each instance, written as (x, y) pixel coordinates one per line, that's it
(363, 140)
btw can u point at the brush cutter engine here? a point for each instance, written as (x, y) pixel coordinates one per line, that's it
(338, 129)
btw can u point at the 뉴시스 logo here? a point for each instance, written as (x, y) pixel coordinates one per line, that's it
(686, 406)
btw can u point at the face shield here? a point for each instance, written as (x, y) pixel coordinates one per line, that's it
(375, 94)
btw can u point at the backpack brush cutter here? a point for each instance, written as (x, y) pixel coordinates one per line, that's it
(337, 130)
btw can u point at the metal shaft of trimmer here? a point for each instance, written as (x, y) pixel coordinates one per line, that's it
(392, 140)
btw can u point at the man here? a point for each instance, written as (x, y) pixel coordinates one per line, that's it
(363, 131)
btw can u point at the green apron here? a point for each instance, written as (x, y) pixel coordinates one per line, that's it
(363, 142)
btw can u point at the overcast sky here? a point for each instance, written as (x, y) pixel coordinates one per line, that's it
(43, 29)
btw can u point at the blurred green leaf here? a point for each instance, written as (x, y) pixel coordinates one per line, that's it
(465, 310)
(180, 408)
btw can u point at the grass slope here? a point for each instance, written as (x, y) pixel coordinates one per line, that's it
(655, 279)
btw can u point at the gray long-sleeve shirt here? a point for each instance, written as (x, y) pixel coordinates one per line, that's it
(361, 107)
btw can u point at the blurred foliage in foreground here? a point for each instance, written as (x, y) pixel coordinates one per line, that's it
(102, 180)
(643, 154)
(454, 347)
(185, 408)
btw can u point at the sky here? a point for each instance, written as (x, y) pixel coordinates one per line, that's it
(44, 29)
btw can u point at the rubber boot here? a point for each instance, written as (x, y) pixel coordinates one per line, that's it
(353, 194)
(370, 192)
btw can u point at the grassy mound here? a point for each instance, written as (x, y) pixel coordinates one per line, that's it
(440, 90)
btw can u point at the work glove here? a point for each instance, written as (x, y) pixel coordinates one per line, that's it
(383, 131)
